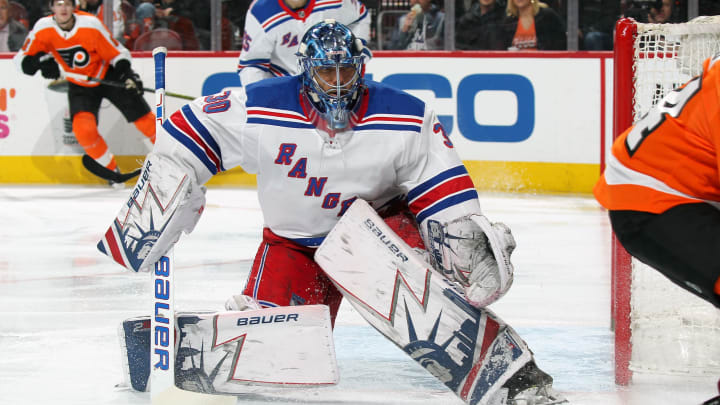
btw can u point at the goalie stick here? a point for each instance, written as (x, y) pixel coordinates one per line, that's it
(162, 318)
(163, 390)
(106, 174)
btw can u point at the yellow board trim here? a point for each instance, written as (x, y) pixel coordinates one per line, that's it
(487, 175)
(528, 177)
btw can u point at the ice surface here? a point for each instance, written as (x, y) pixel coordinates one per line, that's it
(61, 302)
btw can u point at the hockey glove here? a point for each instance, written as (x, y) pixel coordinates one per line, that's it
(127, 76)
(49, 68)
(475, 253)
(31, 64)
(41, 61)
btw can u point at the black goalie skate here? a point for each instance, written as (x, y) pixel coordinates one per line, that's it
(532, 386)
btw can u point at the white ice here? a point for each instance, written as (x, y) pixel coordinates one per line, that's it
(61, 302)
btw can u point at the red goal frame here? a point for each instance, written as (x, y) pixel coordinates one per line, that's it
(623, 90)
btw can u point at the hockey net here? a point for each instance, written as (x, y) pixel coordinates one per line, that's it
(659, 327)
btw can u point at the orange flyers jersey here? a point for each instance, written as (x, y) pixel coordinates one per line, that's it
(87, 49)
(670, 156)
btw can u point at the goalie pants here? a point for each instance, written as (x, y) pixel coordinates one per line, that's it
(284, 273)
(683, 243)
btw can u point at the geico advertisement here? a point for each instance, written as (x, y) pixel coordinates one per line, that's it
(495, 109)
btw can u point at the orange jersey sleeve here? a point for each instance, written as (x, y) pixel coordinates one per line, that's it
(669, 156)
(87, 49)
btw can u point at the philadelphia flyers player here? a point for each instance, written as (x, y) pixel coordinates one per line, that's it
(662, 186)
(78, 42)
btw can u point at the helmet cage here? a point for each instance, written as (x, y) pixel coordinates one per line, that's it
(332, 70)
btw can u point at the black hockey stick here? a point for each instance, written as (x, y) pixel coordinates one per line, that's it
(106, 174)
(78, 76)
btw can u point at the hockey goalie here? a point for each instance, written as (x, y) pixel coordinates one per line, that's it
(363, 197)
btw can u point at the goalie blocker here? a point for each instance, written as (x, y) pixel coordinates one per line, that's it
(165, 202)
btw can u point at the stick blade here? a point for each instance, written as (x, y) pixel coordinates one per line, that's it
(106, 174)
(59, 85)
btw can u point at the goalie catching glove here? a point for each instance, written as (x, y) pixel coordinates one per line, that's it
(475, 253)
(165, 202)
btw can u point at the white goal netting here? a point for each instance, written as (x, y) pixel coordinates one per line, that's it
(673, 332)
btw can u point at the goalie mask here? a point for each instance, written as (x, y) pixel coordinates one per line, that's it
(332, 66)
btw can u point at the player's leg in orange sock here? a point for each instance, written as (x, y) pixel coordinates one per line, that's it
(146, 125)
(86, 132)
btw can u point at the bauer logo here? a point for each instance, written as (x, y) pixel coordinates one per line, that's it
(256, 320)
(5, 95)
(161, 327)
(385, 240)
(141, 184)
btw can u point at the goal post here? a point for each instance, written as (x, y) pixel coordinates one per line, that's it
(659, 327)
(625, 34)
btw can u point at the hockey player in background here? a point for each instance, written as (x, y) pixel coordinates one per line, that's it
(320, 141)
(77, 42)
(661, 187)
(273, 29)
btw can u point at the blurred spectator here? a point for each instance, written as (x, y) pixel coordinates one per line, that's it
(597, 22)
(462, 7)
(662, 12)
(529, 25)
(95, 7)
(472, 28)
(560, 6)
(421, 28)
(652, 11)
(235, 11)
(709, 7)
(143, 21)
(166, 14)
(173, 15)
(145, 16)
(12, 33)
(199, 13)
(36, 9)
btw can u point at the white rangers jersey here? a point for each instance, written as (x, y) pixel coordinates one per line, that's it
(396, 149)
(273, 32)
